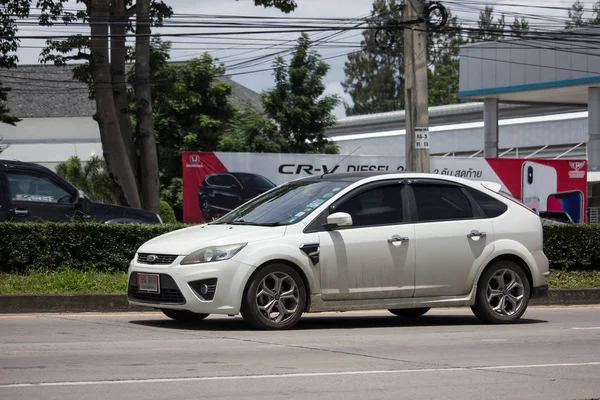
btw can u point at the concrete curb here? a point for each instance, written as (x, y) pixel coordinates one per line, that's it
(59, 303)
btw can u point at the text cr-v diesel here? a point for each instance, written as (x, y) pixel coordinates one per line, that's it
(403, 242)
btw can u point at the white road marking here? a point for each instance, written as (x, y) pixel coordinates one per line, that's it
(591, 327)
(298, 375)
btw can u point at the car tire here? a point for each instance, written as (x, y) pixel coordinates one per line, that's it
(205, 208)
(503, 293)
(275, 298)
(183, 315)
(410, 312)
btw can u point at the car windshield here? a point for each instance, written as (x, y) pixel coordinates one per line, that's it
(256, 181)
(284, 205)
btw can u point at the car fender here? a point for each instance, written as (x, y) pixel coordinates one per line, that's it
(507, 247)
(287, 252)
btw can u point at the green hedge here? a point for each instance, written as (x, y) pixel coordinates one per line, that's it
(73, 245)
(47, 246)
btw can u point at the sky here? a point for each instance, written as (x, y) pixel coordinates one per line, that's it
(238, 49)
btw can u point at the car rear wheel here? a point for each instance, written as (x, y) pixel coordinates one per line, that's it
(503, 293)
(275, 298)
(206, 209)
(410, 312)
(184, 315)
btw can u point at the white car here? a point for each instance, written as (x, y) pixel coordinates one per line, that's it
(405, 242)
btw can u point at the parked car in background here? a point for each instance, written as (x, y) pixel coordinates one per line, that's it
(222, 192)
(30, 193)
(556, 217)
(405, 242)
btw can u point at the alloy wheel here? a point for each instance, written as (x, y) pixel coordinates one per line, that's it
(278, 297)
(505, 292)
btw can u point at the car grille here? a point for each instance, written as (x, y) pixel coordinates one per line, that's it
(162, 259)
(169, 292)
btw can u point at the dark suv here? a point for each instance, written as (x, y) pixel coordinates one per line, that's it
(224, 191)
(30, 192)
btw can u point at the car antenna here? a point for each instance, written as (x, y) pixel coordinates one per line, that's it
(338, 164)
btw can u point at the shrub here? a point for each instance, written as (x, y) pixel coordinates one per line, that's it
(49, 246)
(90, 246)
(166, 213)
(572, 246)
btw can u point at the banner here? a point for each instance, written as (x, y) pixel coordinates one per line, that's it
(215, 183)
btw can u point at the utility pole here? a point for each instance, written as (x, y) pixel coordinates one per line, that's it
(416, 90)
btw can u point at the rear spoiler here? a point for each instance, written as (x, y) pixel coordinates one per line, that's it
(493, 186)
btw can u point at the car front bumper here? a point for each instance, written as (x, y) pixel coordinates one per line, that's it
(211, 288)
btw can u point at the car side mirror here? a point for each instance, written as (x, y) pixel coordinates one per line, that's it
(235, 186)
(337, 220)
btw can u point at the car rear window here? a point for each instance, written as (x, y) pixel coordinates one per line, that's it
(491, 207)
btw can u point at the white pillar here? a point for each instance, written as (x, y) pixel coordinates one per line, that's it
(593, 147)
(490, 128)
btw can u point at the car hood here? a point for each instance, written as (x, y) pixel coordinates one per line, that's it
(185, 241)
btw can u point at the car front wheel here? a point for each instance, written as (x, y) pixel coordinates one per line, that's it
(206, 209)
(503, 293)
(275, 298)
(183, 315)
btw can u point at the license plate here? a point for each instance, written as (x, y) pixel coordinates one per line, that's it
(148, 283)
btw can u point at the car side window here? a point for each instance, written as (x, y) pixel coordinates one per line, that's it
(216, 180)
(441, 202)
(490, 206)
(35, 188)
(377, 206)
(228, 180)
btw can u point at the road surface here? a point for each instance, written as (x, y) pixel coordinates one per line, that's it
(554, 353)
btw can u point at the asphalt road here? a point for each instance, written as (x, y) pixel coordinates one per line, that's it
(554, 353)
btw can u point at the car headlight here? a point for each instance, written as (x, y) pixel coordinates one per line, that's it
(213, 253)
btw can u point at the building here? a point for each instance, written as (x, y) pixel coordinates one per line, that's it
(57, 115)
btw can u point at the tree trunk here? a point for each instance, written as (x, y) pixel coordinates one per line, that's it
(145, 129)
(118, 29)
(113, 148)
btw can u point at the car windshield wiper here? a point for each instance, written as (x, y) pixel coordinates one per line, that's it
(242, 222)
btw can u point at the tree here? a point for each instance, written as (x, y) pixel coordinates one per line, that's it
(93, 178)
(10, 11)
(143, 96)
(5, 117)
(375, 75)
(443, 73)
(519, 27)
(487, 28)
(576, 15)
(297, 103)
(123, 150)
(252, 131)
(191, 110)
(596, 14)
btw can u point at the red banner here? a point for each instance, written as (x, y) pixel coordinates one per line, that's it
(215, 183)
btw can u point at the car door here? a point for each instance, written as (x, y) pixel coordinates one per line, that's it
(35, 196)
(452, 238)
(232, 193)
(375, 257)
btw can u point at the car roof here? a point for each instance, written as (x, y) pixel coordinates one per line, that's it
(17, 163)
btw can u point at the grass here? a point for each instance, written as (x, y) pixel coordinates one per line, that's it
(63, 281)
(78, 282)
(574, 279)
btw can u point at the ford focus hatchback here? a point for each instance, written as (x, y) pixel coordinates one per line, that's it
(402, 242)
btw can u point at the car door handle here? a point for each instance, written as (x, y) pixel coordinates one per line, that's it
(476, 234)
(396, 239)
(20, 212)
